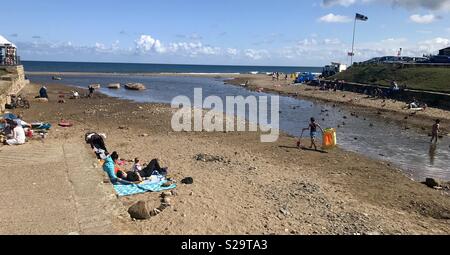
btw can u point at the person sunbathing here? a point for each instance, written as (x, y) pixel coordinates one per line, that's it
(153, 168)
(109, 168)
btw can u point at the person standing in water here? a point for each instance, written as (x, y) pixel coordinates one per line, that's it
(313, 132)
(91, 91)
(435, 131)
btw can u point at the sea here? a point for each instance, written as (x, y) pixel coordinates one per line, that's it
(130, 68)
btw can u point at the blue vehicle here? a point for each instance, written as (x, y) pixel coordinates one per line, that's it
(305, 77)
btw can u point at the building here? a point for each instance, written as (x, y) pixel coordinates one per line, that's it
(8, 53)
(445, 52)
(333, 69)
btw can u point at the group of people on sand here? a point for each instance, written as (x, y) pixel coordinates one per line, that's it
(14, 130)
(112, 163)
(277, 75)
(416, 105)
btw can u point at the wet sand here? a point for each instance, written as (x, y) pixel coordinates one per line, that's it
(257, 188)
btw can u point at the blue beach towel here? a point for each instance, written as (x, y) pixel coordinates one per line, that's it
(144, 187)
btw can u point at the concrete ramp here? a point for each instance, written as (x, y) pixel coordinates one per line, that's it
(54, 188)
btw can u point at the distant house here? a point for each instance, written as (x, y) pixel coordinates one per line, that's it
(8, 53)
(445, 52)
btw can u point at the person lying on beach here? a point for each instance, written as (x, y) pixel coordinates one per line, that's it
(153, 168)
(313, 132)
(435, 131)
(109, 168)
(131, 176)
(18, 135)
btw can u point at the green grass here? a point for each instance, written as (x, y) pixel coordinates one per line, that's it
(420, 78)
(2, 72)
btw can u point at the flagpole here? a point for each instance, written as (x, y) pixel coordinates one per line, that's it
(353, 43)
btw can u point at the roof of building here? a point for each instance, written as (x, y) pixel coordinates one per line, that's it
(448, 48)
(4, 41)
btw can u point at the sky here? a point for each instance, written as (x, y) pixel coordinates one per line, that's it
(225, 32)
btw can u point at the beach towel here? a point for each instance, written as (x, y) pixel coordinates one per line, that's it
(144, 187)
(41, 126)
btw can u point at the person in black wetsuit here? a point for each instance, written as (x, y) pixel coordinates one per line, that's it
(313, 126)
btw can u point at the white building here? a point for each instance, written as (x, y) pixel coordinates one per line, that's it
(8, 53)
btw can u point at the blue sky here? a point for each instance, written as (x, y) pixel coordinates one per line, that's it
(283, 32)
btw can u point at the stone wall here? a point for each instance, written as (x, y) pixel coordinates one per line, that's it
(11, 83)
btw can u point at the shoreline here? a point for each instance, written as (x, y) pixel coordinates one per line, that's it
(257, 188)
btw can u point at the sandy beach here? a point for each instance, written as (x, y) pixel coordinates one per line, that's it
(254, 188)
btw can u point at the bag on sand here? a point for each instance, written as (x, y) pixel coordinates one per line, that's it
(132, 177)
(188, 180)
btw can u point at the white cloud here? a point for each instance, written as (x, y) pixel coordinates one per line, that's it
(424, 19)
(333, 18)
(147, 43)
(256, 54)
(346, 3)
(433, 45)
(408, 4)
(232, 52)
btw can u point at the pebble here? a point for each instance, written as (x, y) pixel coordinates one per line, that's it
(155, 212)
(166, 194)
(284, 211)
(167, 201)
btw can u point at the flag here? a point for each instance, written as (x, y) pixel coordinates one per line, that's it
(361, 17)
(351, 54)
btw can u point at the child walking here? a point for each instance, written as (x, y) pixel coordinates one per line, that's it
(313, 126)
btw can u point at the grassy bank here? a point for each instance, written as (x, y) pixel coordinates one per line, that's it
(421, 78)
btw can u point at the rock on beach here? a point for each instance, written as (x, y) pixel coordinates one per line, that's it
(135, 86)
